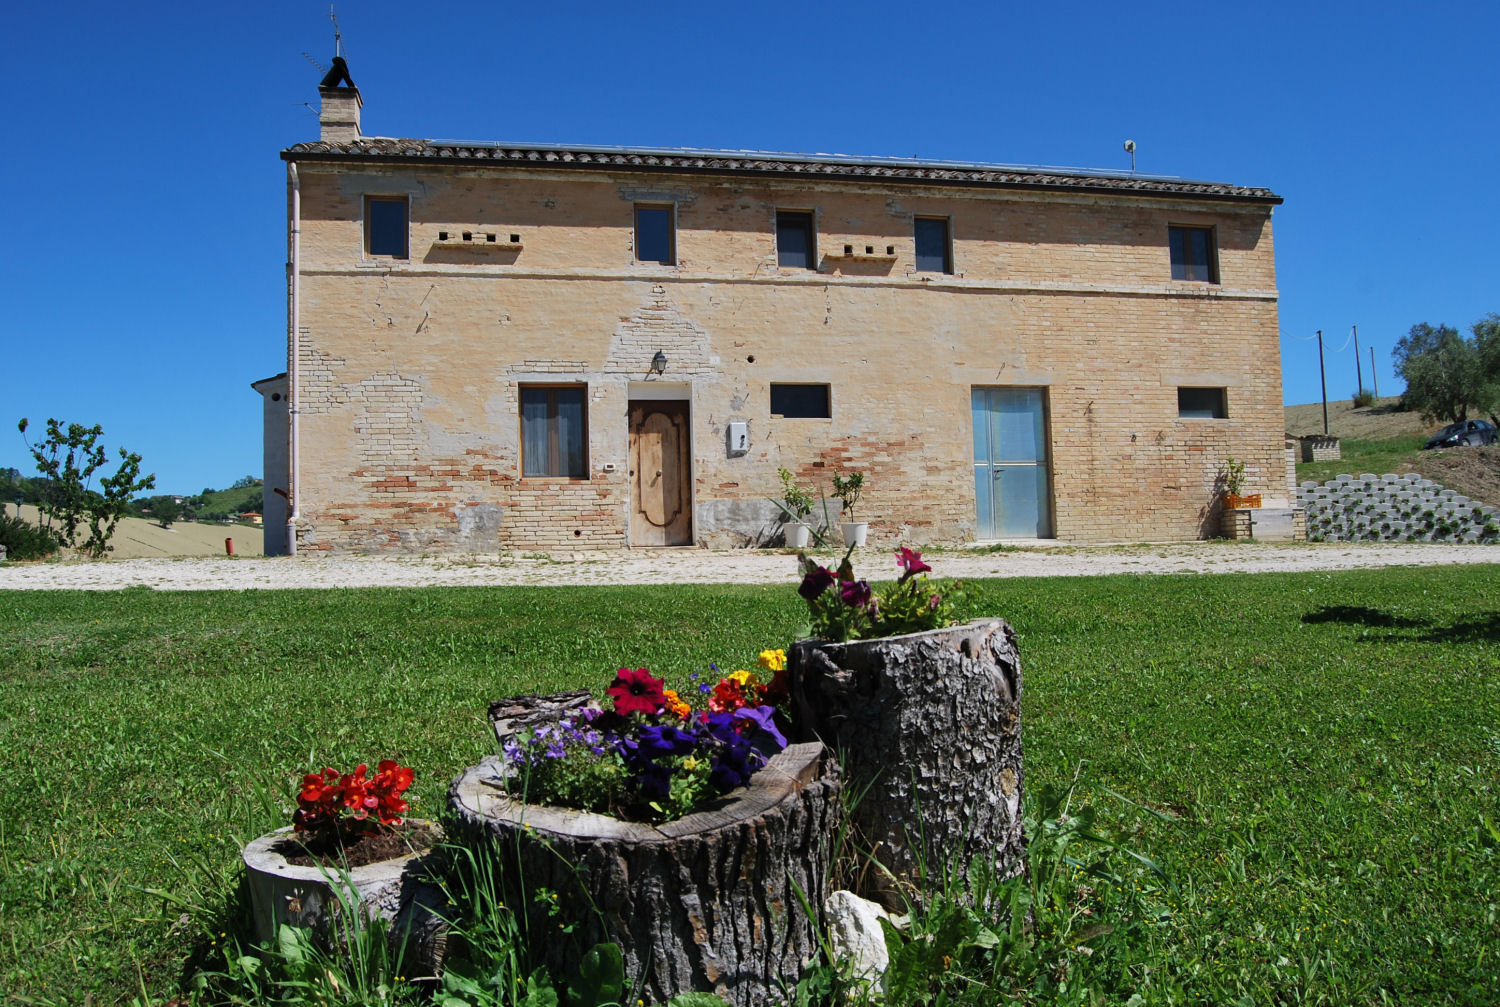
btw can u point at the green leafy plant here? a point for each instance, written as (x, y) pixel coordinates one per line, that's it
(842, 607)
(796, 500)
(23, 540)
(1362, 399)
(1232, 475)
(848, 488)
(68, 458)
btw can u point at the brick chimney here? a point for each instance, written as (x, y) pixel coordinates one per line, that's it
(339, 116)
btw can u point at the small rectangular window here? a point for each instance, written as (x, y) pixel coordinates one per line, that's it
(554, 431)
(795, 248)
(655, 240)
(934, 251)
(1194, 256)
(802, 402)
(1202, 404)
(386, 226)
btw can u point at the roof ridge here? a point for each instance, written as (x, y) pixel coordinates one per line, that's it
(894, 169)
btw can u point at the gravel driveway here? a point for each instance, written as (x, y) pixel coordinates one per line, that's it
(683, 566)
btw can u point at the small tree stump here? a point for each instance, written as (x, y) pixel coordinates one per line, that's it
(927, 728)
(397, 891)
(715, 901)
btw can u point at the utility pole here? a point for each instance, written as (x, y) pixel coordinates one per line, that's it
(1323, 379)
(1359, 374)
(1374, 378)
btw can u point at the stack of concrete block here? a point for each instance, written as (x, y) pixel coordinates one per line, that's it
(1393, 508)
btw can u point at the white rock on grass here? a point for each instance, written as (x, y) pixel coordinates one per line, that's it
(857, 938)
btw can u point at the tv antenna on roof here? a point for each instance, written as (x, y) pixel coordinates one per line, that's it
(338, 39)
(1130, 149)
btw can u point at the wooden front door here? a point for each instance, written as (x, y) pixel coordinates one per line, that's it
(660, 481)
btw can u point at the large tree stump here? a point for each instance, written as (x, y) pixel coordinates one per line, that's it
(927, 728)
(715, 901)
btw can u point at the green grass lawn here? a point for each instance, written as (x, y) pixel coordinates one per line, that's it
(1360, 456)
(1326, 747)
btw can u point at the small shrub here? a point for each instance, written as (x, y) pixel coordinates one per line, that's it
(1363, 399)
(26, 541)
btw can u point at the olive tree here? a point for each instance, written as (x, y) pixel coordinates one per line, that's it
(68, 458)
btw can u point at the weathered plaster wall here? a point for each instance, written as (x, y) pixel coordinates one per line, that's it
(411, 369)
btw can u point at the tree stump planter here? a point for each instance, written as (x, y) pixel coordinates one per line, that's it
(396, 891)
(927, 728)
(716, 901)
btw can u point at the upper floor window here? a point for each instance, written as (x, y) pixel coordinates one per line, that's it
(655, 235)
(934, 249)
(1194, 256)
(386, 226)
(795, 247)
(1202, 404)
(554, 431)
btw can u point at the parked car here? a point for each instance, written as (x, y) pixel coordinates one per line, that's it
(1465, 433)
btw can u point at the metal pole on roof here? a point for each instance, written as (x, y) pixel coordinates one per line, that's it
(1323, 378)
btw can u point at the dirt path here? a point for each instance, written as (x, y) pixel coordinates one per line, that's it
(698, 566)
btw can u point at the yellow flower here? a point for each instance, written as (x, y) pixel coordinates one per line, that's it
(690, 763)
(773, 660)
(743, 678)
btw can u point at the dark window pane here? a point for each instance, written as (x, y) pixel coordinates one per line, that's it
(932, 245)
(1192, 253)
(800, 401)
(554, 432)
(385, 227)
(1201, 404)
(653, 235)
(794, 240)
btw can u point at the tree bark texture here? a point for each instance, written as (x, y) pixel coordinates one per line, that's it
(927, 728)
(725, 900)
(317, 897)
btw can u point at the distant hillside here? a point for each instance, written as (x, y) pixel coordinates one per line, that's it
(1383, 420)
(216, 504)
(138, 537)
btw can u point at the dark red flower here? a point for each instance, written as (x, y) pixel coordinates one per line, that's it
(636, 692)
(818, 580)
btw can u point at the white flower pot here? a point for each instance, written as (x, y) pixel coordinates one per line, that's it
(854, 532)
(797, 535)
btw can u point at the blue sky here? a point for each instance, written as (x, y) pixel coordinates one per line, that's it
(144, 257)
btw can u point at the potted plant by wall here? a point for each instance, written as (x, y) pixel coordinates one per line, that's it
(925, 714)
(621, 821)
(1232, 479)
(847, 487)
(796, 503)
(349, 848)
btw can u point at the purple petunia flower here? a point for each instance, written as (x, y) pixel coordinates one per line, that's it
(855, 593)
(763, 717)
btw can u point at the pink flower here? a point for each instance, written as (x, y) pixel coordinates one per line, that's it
(910, 562)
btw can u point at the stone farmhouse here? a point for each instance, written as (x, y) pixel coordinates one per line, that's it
(499, 347)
